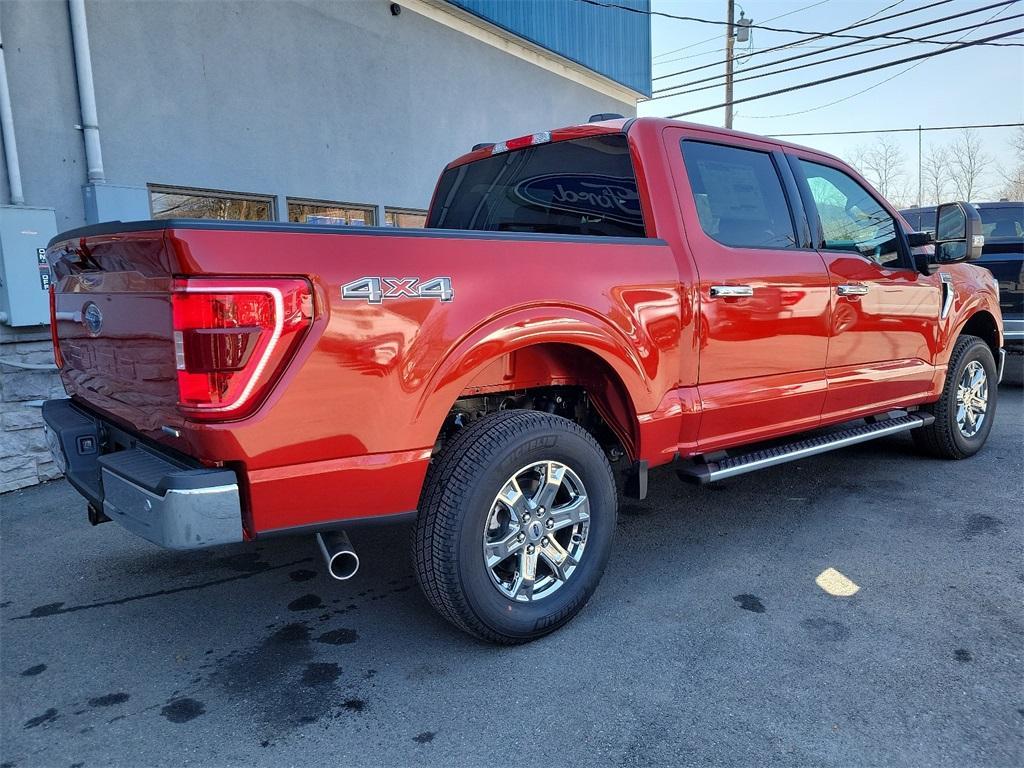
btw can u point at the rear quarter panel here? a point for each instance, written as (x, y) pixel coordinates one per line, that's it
(372, 383)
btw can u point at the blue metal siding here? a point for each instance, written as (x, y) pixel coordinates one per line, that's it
(611, 41)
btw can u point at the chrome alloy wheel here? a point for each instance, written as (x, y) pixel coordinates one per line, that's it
(972, 399)
(536, 531)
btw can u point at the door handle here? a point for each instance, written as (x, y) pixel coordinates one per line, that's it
(852, 289)
(731, 291)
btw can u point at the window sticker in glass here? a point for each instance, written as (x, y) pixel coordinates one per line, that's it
(738, 195)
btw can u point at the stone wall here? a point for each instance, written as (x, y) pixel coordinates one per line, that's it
(24, 456)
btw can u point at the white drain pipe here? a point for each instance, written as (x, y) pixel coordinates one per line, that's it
(7, 130)
(86, 92)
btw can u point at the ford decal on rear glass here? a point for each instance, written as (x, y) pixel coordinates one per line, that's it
(589, 194)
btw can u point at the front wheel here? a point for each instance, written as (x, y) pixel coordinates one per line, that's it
(515, 525)
(964, 413)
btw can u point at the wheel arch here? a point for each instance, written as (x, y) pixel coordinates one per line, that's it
(572, 349)
(982, 324)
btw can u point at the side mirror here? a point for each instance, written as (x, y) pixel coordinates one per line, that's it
(958, 233)
(920, 239)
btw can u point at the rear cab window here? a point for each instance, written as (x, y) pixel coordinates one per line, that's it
(738, 195)
(577, 187)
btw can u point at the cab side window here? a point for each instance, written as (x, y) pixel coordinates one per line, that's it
(738, 195)
(851, 218)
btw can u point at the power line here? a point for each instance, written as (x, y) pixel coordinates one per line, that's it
(773, 18)
(880, 83)
(698, 20)
(865, 70)
(864, 22)
(676, 92)
(752, 50)
(848, 44)
(896, 130)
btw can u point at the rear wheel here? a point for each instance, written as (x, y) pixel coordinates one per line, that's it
(964, 413)
(515, 525)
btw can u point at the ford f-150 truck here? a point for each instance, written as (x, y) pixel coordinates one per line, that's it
(630, 292)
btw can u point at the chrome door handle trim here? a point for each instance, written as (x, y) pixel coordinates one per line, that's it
(852, 289)
(730, 291)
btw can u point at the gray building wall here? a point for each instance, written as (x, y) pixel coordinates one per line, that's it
(335, 100)
(319, 99)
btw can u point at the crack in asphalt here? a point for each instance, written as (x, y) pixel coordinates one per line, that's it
(56, 609)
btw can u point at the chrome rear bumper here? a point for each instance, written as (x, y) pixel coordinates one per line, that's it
(154, 495)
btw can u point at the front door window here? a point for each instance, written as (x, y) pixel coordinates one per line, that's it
(851, 218)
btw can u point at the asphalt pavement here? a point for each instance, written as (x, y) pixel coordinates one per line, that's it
(709, 642)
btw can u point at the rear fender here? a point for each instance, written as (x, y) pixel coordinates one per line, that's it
(518, 330)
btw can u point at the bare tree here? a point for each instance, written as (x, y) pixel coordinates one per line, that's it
(882, 164)
(968, 165)
(1013, 178)
(935, 176)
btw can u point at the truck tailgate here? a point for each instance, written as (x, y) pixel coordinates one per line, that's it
(114, 328)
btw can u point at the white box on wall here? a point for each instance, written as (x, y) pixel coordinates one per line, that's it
(24, 274)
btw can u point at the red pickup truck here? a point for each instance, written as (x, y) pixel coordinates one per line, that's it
(628, 293)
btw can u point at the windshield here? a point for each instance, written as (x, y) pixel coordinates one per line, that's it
(1002, 224)
(579, 187)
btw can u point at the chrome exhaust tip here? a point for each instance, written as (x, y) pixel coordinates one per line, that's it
(341, 559)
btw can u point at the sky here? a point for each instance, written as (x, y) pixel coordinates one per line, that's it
(975, 85)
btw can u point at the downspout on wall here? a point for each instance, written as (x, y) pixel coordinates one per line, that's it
(7, 130)
(86, 91)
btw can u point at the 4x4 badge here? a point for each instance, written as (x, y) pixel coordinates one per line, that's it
(376, 289)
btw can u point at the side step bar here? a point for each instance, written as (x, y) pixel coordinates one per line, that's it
(718, 468)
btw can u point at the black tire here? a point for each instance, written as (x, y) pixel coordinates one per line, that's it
(943, 438)
(457, 498)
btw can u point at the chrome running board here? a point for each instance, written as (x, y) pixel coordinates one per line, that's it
(718, 467)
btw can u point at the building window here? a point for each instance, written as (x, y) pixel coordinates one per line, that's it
(404, 217)
(183, 203)
(323, 212)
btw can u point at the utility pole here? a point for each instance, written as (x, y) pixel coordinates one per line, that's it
(920, 170)
(729, 40)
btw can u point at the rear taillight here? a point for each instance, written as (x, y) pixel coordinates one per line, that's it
(232, 338)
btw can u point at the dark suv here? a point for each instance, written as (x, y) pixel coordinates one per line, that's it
(1003, 254)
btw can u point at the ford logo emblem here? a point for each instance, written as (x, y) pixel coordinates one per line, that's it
(93, 318)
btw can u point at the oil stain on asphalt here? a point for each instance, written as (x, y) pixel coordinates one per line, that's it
(286, 687)
(182, 710)
(978, 524)
(825, 630)
(306, 603)
(750, 603)
(338, 637)
(47, 717)
(109, 700)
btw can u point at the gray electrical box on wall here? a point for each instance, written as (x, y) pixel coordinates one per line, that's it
(24, 274)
